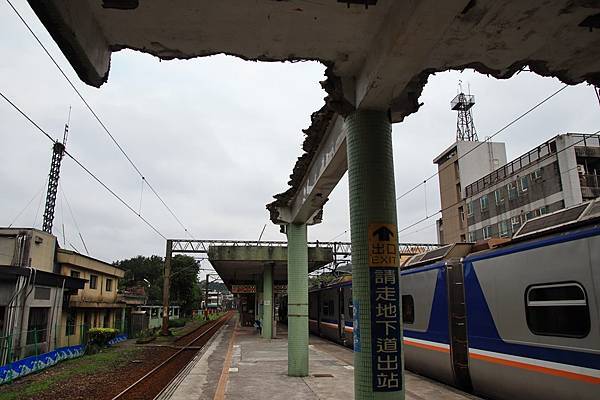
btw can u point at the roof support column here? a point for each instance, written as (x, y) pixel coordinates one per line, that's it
(297, 300)
(375, 286)
(267, 330)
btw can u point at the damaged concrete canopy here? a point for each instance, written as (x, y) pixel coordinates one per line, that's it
(377, 57)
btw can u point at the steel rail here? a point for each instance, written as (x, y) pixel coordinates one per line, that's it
(218, 324)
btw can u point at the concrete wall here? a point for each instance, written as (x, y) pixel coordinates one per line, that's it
(543, 190)
(461, 164)
(88, 294)
(477, 160)
(38, 252)
(567, 162)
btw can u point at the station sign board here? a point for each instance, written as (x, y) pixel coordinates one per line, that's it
(238, 289)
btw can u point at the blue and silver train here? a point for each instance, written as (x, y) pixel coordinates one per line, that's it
(519, 321)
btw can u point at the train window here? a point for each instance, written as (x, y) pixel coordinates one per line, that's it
(408, 309)
(350, 309)
(325, 308)
(328, 307)
(559, 309)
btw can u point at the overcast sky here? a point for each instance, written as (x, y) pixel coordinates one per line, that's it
(218, 136)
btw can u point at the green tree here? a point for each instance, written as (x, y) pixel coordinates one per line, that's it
(184, 282)
(148, 272)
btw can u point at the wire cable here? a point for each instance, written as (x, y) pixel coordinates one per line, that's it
(595, 134)
(90, 173)
(505, 127)
(27, 205)
(64, 195)
(97, 117)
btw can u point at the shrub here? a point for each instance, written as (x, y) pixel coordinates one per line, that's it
(177, 323)
(101, 336)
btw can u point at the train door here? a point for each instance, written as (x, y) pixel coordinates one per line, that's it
(459, 347)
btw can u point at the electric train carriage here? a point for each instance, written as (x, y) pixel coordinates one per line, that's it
(518, 321)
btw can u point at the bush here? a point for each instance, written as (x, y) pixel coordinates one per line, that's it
(101, 336)
(177, 323)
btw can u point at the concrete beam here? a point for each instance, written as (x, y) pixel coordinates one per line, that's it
(328, 166)
(401, 47)
(75, 29)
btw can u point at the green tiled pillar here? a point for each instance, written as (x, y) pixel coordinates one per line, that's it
(372, 200)
(267, 330)
(297, 300)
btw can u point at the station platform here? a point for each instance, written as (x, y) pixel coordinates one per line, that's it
(239, 364)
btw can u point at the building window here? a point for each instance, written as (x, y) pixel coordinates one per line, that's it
(559, 309)
(524, 183)
(503, 228)
(498, 196)
(487, 232)
(461, 213)
(408, 309)
(470, 208)
(512, 191)
(37, 325)
(530, 215)
(107, 320)
(543, 210)
(75, 274)
(93, 281)
(471, 236)
(108, 285)
(537, 174)
(515, 222)
(71, 322)
(483, 202)
(42, 293)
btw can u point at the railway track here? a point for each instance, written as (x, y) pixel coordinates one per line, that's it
(153, 382)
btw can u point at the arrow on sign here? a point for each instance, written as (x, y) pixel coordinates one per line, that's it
(383, 234)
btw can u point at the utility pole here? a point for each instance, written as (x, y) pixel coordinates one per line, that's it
(206, 297)
(166, 287)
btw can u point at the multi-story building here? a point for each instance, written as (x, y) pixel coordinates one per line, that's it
(49, 297)
(96, 305)
(562, 172)
(460, 164)
(31, 293)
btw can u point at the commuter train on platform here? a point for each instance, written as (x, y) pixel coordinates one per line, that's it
(518, 321)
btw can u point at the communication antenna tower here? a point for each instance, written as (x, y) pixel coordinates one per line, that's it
(465, 127)
(58, 151)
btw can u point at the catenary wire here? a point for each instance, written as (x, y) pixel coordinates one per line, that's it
(90, 173)
(521, 116)
(514, 121)
(97, 117)
(595, 134)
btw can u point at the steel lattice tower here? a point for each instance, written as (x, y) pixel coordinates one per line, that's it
(465, 127)
(58, 151)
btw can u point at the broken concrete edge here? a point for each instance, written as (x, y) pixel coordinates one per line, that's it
(401, 107)
(69, 44)
(320, 121)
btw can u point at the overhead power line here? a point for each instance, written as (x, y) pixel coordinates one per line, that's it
(97, 117)
(595, 134)
(514, 121)
(521, 116)
(80, 164)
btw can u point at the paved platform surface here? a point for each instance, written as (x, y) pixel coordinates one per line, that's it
(238, 364)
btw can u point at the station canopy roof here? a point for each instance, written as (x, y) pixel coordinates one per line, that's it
(239, 265)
